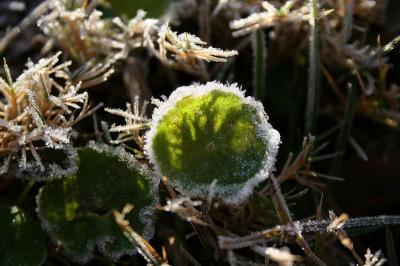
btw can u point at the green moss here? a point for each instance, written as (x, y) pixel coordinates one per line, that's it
(78, 209)
(209, 137)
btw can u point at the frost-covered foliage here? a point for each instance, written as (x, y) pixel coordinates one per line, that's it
(184, 51)
(135, 120)
(38, 110)
(95, 42)
(77, 211)
(212, 132)
(342, 28)
(270, 16)
(83, 32)
(291, 18)
(205, 158)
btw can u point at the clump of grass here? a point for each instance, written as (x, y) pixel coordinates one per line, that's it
(36, 108)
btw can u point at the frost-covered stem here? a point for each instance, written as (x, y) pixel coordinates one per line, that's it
(311, 226)
(11, 34)
(358, 222)
(286, 218)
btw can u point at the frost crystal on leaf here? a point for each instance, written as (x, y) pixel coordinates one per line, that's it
(212, 132)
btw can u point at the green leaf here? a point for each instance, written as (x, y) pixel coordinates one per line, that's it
(212, 134)
(77, 210)
(22, 241)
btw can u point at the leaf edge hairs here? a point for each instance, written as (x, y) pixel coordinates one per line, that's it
(230, 194)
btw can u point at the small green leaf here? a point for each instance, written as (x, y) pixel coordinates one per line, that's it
(212, 133)
(22, 242)
(77, 210)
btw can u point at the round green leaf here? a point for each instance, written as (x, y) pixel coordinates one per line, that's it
(212, 132)
(77, 210)
(22, 241)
